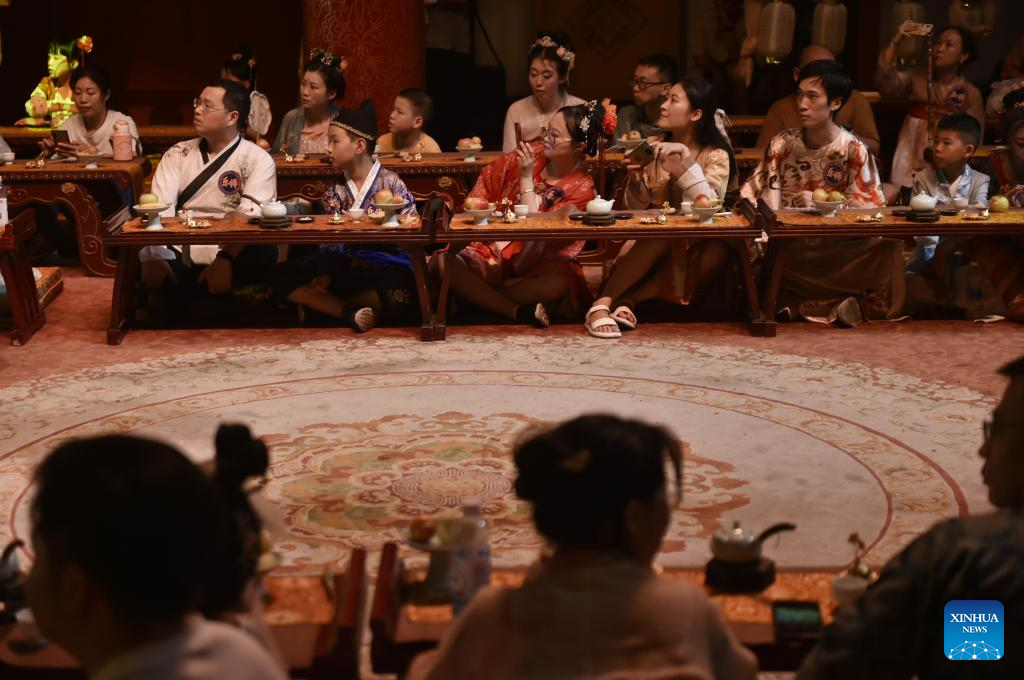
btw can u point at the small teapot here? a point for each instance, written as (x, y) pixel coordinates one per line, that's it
(599, 206)
(922, 202)
(739, 545)
(273, 209)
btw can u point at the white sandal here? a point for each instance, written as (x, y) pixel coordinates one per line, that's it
(625, 322)
(608, 322)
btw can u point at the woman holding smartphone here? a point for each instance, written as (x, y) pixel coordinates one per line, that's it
(951, 92)
(697, 161)
(89, 130)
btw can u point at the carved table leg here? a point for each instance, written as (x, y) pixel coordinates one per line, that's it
(122, 304)
(419, 266)
(89, 223)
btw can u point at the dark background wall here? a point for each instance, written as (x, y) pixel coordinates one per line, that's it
(158, 54)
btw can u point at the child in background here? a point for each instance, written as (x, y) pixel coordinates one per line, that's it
(411, 111)
(951, 177)
(241, 68)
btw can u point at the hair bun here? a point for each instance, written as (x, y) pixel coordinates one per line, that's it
(239, 455)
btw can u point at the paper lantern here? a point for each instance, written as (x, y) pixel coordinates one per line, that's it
(828, 27)
(907, 11)
(775, 31)
(965, 14)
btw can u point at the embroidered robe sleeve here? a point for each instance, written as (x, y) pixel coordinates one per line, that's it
(166, 186)
(766, 182)
(864, 185)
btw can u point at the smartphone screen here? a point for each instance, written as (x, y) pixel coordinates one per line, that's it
(519, 134)
(641, 155)
(796, 619)
(60, 136)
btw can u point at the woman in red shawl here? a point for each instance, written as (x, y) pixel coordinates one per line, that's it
(522, 278)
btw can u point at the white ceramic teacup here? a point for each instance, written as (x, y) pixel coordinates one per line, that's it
(960, 202)
(356, 213)
(848, 588)
(7, 157)
(521, 210)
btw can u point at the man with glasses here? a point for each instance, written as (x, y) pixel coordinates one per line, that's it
(856, 114)
(895, 630)
(652, 78)
(215, 174)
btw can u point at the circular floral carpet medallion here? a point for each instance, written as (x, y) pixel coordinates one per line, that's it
(367, 433)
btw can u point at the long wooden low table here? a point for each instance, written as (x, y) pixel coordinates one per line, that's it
(66, 183)
(132, 237)
(154, 138)
(402, 628)
(738, 230)
(792, 224)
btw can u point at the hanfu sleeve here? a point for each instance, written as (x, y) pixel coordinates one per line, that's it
(864, 189)
(765, 183)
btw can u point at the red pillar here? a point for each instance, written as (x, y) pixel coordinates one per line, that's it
(382, 40)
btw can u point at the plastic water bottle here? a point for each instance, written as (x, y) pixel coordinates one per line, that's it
(975, 292)
(4, 219)
(471, 559)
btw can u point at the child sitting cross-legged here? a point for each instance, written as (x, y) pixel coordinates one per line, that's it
(950, 178)
(410, 112)
(357, 283)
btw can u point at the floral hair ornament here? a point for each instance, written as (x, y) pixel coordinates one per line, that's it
(565, 54)
(611, 117)
(85, 45)
(329, 59)
(237, 56)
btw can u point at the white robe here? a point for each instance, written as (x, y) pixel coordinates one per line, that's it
(250, 170)
(100, 138)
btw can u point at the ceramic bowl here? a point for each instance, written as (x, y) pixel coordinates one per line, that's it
(828, 208)
(480, 216)
(704, 215)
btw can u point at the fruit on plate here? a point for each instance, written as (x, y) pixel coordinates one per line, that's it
(632, 136)
(89, 150)
(477, 203)
(422, 529)
(383, 197)
(820, 195)
(702, 201)
(834, 196)
(999, 203)
(475, 140)
(148, 198)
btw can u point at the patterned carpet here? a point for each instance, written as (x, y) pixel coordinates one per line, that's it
(367, 432)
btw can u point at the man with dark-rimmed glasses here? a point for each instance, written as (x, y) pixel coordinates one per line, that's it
(213, 175)
(895, 630)
(652, 78)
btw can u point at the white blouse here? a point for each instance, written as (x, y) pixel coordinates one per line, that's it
(100, 138)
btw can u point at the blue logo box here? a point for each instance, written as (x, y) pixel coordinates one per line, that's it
(973, 630)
